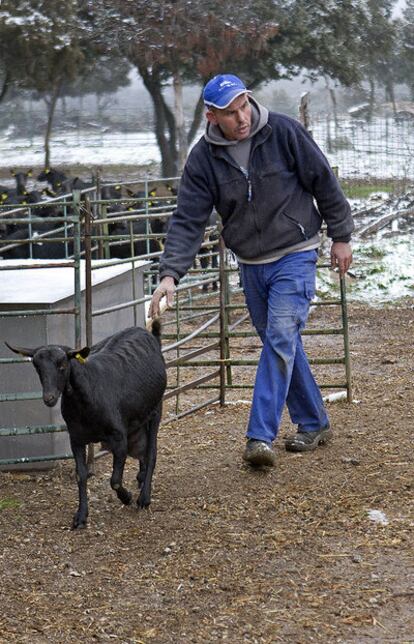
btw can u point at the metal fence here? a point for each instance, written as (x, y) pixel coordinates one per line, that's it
(210, 347)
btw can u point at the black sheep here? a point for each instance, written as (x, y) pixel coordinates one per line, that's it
(111, 393)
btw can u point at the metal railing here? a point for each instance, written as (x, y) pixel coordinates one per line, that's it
(202, 335)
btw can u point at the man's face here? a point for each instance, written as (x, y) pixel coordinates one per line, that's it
(234, 121)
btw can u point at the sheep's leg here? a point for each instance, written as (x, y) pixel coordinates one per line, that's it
(119, 451)
(144, 498)
(79, 519)
(91, 460)
(141, 472)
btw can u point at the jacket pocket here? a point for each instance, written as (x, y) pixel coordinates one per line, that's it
(298, 225)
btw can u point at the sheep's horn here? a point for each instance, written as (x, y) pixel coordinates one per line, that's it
(24, 352)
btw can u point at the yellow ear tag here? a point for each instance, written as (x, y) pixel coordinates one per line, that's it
(80, 359)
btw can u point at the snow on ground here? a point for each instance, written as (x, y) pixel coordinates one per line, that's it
(91, 148)
(383, 264)
(382, 271)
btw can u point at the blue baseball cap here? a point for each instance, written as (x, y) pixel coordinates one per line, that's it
(221, 90)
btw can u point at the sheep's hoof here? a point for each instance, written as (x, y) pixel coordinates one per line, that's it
(143, 501)
(124, 496)
(78, 523)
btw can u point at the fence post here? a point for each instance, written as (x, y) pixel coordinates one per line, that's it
(223, 285)
(304, 116)
(346, 338)
(77, 277)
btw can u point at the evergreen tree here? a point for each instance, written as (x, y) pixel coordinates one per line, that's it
(47, 47)
(377, 58)
(406, 50)
(183, 41)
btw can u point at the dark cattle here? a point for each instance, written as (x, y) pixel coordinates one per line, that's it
(46, 209)
(39, 248)
(157, 226)
(21, 180)
(142, 199)
(61, 183)
(80, 184)
(111, 393)
(10, 197)
(121, 249)
(111, 192)
(57, 180)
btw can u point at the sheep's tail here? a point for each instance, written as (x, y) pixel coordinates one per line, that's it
(156, 329)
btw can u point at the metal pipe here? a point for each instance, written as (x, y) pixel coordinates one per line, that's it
(344, 313)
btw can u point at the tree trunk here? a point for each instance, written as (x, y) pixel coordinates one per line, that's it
(197, 117)
(334, 106)
(164, 123)
(50, 114)
(180, 121)
(371, 98)
(389, 88)
(5, 86)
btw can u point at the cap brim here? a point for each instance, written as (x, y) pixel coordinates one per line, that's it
(227, 100)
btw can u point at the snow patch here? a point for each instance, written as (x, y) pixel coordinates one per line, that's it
(378, 516)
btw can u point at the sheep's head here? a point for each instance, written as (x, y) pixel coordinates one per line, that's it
(52, 364)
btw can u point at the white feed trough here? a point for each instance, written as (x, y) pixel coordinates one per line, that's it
(52, 288)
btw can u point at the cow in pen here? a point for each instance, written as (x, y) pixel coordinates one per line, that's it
(111, 393)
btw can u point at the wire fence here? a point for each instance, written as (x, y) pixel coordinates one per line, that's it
(379, 151)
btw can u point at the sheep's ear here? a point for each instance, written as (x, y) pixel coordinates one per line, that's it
(29, 353)
(80, 355)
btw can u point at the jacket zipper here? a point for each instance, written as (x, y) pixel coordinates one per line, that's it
(249, 184)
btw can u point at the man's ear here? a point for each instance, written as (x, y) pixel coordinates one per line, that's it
(211, 117)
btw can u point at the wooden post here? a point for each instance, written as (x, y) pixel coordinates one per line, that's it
(304, 116)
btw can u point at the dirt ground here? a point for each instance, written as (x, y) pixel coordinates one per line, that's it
(225, 553)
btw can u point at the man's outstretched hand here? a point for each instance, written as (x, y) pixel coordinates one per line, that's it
(166, 288)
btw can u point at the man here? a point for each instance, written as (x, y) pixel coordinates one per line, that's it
(263, 173)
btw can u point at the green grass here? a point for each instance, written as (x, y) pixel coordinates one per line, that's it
(9, 503)
(362, 191)
(372, 252)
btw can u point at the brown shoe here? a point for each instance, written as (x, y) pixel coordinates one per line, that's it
(259, 453)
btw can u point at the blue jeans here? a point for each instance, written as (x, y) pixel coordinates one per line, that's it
(278, 297)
